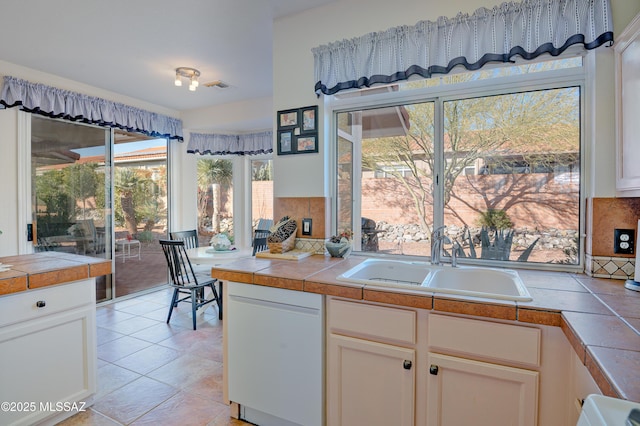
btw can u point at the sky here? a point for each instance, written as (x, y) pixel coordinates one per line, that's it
(121, 147)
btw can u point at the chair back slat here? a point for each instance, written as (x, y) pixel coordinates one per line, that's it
(180, 268)
(264, 224)
(260, 240)
(260, 235)
(189, 237)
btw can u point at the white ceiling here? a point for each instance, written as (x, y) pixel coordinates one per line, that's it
(132, 47)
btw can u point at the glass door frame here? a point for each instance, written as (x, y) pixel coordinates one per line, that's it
(25, 181)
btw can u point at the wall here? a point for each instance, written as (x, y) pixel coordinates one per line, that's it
(298, 208)
(239, 117)
(385, 200)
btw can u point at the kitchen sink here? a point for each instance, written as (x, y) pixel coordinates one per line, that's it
(480, 282)
(492, 283)
(388, 273)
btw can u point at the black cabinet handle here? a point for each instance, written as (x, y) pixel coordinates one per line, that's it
(433, 369)
(407, 364)
(41, 303)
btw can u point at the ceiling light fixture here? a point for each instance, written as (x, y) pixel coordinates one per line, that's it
(185, 72)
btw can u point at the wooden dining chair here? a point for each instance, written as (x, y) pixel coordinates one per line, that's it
(189, 237)
(185, 282)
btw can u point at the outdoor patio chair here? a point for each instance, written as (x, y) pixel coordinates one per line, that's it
(185, 282)
(260, 235)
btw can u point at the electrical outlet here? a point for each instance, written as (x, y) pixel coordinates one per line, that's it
(623, 241)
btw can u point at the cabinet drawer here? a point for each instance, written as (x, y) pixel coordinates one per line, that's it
(484, 339)
(377, 322)
(23, 306)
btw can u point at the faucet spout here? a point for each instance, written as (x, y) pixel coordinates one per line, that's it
(454, 254)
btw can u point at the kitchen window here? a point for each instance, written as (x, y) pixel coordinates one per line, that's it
(492, 155)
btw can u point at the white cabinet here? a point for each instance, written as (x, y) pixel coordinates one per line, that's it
(370, 383)
(47, 352)
(582, 385)
(371, 365)
(464, 370)
(468, 392)
(476, 376)
(627, 57)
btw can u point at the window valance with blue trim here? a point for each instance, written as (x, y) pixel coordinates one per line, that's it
(528, 29)
(220, 144)
(57, 103)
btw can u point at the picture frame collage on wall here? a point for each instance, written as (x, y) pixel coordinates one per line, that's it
(298, 131)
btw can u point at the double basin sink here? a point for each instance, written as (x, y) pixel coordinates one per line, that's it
(492, 283)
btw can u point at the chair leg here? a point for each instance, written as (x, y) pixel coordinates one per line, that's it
(173, 303)
(194, 303)
(218, 296)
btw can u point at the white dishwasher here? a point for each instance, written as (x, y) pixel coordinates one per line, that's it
(275, 347)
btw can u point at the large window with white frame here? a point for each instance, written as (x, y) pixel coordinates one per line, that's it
(261, 190)
(215, 197)
(234, 193)
(494, 156)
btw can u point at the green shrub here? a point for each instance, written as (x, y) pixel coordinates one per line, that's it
(495, 219)
(145, 236)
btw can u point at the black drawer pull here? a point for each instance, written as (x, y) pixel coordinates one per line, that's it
(433, 369)
(41, 303)
(407, 364)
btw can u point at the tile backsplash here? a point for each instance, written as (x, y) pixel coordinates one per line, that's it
(315, 208)
(607, 214)
(610, 267)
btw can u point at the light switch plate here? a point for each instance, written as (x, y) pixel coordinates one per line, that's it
(623, 241)
(306, 226)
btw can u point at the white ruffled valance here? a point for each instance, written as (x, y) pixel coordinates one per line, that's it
(218, 144)
(57, 103)
(527, 29)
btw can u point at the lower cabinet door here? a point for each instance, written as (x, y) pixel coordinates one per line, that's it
(369, 383)
(46, 365)
(467, 392)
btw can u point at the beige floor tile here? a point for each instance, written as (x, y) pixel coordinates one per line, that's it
(150, 372)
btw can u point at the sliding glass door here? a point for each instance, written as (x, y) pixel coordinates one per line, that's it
(99, 197)
(71, 191)
(140, 212)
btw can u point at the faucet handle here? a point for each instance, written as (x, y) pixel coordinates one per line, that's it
(438, 231)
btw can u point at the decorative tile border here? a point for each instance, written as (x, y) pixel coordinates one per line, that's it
(621, 268)
(310, 244)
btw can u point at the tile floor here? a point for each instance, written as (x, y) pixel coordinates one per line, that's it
(150, 372)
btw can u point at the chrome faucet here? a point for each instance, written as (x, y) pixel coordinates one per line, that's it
(454, 254)
(436, 244)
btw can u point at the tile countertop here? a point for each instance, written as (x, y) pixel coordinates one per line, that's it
(31, 271)
(600, 318)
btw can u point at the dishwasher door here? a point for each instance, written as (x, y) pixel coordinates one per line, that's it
(275, 354)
